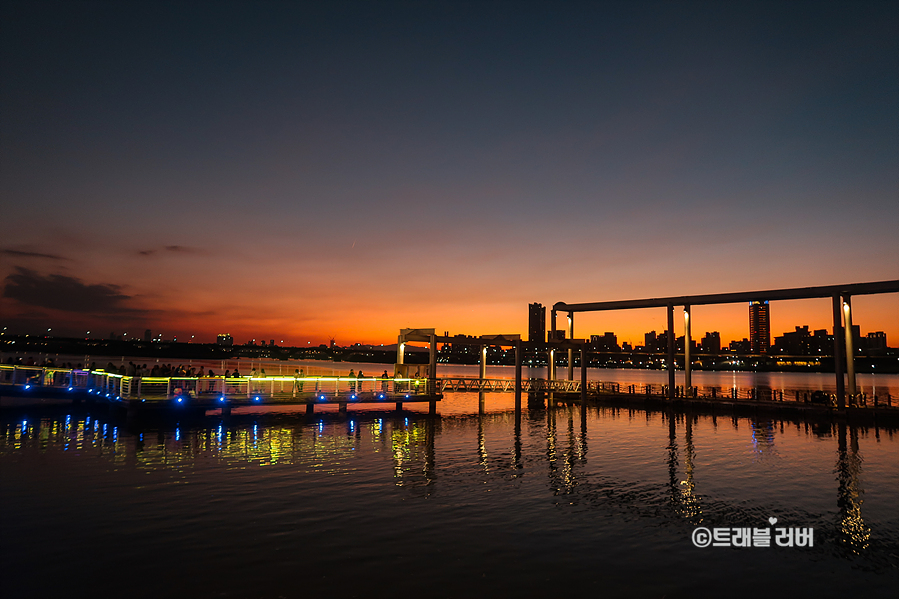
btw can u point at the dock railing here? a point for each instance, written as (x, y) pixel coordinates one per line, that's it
(336, 388)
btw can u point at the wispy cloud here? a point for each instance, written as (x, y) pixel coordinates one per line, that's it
(24, 254)
(176, 249)
(59, 292)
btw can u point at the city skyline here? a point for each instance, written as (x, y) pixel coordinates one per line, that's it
(307, 172)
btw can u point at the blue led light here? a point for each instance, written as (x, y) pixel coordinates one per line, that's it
(27, 387)
(258, 398)
(180, 399)
(70, 388)
(221, 399)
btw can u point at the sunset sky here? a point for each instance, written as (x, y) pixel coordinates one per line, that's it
(301, 171)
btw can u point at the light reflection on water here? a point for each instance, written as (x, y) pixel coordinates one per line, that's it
(461, 505)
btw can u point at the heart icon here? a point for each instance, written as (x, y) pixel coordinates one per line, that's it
(773, 521)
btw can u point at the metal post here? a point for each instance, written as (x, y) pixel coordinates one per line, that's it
(584, 373)
(483, 372)
(570, 350)
(432, 357)
(400, 347)
(688, 384)
(850, 348)
(518, 375)
(838, 352)
(671, 352)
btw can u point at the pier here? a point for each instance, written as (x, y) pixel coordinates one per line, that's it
(214, 392)
(220, 392)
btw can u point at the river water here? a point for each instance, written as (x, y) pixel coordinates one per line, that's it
(594, 502)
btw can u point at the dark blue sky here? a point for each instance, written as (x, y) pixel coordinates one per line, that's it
(538, 151)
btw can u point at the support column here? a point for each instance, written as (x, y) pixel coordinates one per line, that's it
(552, 328)
(584, 373)
(850, 348)
(518, 376)
(483, 373)
(432, 360)
(671, 352)
(400, 356)
(838, 352)
(551, 364)
(570, 350)
(688, 365)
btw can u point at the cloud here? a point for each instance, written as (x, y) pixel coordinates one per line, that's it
(178, 249)
(69, 294)
(21, 254)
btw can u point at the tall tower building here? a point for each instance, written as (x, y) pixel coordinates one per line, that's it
(759, 328)
(537, 323)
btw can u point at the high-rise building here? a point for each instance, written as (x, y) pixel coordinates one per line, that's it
(225, 339)
(759, 328)
(537, 323)
(877, 341)
(711, 343)
(607, 342)
(650, 341)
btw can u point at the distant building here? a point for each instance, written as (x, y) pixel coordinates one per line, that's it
(876, 342)
(607, 342)
(147, 335)
(795, 343)
(740, 347)
(650, 341)
(560, 335)
(661, 342)
(711, 343)
(225, 339)
(679, 345)
(759, 327)
(537, 323)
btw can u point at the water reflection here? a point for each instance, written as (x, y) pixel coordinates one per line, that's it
(854, 534)
(556, 441)
(763, 437)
